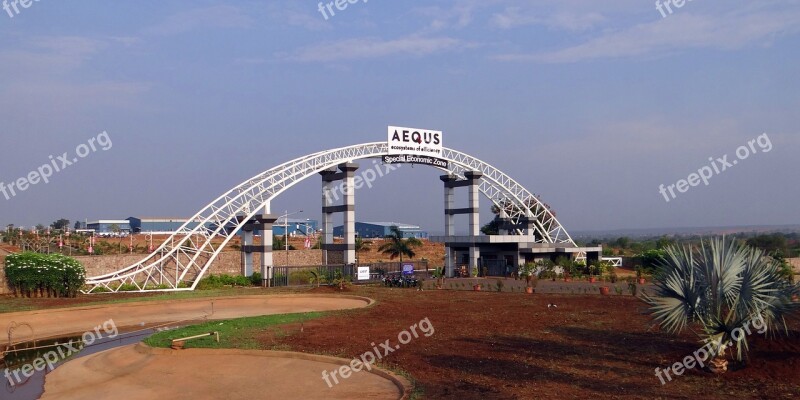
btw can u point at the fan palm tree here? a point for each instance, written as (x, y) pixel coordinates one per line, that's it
(721, 287)
(397, 246)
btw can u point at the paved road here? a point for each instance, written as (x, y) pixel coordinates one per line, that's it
(138, 372)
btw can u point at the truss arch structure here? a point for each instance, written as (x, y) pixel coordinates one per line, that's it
(185, 256)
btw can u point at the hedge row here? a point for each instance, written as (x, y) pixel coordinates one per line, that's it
(40, 275)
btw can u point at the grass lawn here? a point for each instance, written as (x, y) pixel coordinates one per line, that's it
(240, 333)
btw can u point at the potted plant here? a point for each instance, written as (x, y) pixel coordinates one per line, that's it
(531, 287)
(604, 290)
(592, 268)
(526, 271)
(639, 275)
(438, 274)
(476, 287)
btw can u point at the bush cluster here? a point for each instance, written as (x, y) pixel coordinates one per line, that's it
(39, 275)
(218, 281)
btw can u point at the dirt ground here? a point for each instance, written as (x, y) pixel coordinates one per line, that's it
(77, 320)
(512, 346)
(138, 374)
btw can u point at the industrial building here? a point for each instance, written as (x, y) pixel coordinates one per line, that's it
(159, 225)
(382, 229)
(296, 227)
(109, 226)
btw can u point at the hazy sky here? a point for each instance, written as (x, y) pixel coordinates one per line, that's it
(591, 105)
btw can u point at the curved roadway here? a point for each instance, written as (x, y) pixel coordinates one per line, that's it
(139, 372)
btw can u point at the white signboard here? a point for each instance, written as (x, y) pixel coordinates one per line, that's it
(363, 273)
(413, 141)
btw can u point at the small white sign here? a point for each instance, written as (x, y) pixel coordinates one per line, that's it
(363, 273)
(414, 141)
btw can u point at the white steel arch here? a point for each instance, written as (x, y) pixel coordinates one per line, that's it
(179, 262)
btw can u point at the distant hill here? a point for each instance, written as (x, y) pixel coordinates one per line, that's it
(687, 231)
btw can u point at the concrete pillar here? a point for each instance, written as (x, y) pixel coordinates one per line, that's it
(328, 195)
(349, 190)
(267, 263)
(266, 245)
(266, 252)
(474, 256)
(474, 217)
(449, 227)
(474, 198)
(247, 252)
(503, 216)
(449, 259)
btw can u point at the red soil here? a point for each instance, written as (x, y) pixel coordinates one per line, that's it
(512, 346)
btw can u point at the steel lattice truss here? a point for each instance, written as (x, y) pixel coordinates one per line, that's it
(180, 262)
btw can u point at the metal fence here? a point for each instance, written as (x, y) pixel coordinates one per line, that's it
(311, 274)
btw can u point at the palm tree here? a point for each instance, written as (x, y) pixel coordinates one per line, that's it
(397, 246)
(721, 287)
(361, 245)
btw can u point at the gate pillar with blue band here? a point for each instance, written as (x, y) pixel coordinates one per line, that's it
(263, 223)
(472, 183)
(347, 250)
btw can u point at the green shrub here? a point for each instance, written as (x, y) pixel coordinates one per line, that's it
(256, 279)
(218, 281)
(128, 287)
(53, 275)
(302, 277)
(209, 283)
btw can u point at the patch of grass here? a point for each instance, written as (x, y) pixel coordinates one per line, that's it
(417, 390)
(240, 333)
(14, 304)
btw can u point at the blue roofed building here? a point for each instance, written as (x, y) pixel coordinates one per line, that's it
(109, 226)
(160, 225)
(383, 229)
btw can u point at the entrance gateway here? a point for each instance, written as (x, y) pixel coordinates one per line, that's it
(529, 229)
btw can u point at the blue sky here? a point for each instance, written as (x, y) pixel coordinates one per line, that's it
(590, 105)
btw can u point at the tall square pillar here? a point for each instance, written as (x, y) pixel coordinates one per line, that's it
(349, 190)
(474, 217)
(449, 228)
(346, 177)
(474, 202)
(247, 250)
(328, 194)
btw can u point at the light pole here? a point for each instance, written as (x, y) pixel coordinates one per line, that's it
(286, 231)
